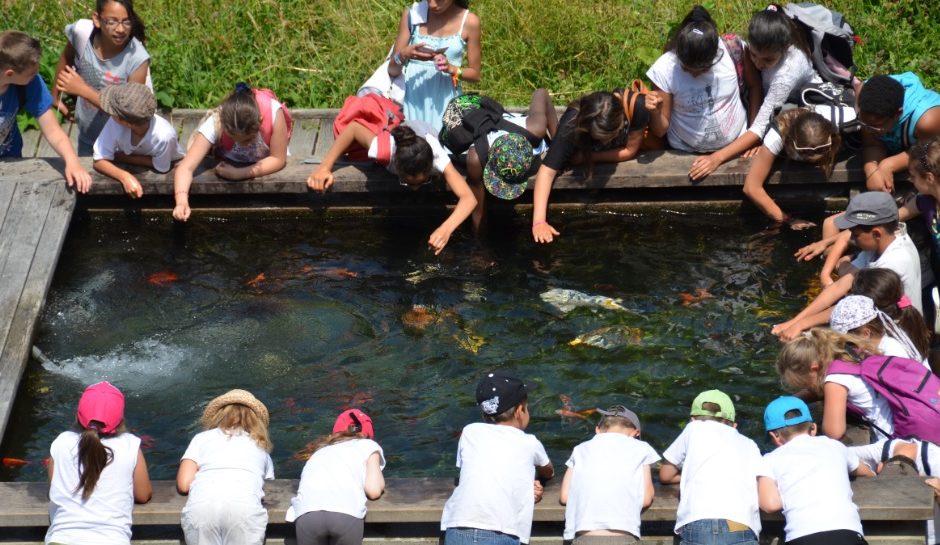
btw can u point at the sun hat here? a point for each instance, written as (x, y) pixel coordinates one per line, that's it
(775, 413)
(131, 102)
(497, 393)
(236, 397)
(507, 166)
(726, 407)
(869, 208)
(854, 311)
(622, 412)
(104, 403)
(354, 420)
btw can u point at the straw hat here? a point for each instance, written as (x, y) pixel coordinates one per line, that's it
(239, 397)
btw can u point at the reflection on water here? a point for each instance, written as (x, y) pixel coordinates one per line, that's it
(317, 314)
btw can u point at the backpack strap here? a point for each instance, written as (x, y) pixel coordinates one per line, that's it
(462, 22)
(924, 459)
(886, 450)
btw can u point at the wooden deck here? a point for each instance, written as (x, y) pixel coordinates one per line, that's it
(35, 209)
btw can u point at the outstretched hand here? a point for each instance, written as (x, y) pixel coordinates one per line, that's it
(810, 251)
(544, 233)
(703, 166)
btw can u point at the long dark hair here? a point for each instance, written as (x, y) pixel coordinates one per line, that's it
(695, 43)
(885, 288)
(413, 155)
(600, 118)
(138, 30)
(771, 31)
(239, 113)
(93, 457)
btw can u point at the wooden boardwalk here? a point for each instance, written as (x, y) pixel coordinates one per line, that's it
(35, 209)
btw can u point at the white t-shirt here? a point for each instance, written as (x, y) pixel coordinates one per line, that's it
(707, 112)
(719, 474)
(901, 257)
(773, 140)
(105, 517)
(519, 120)
(231, 467)
(440, 156)
(334, 479)
(875, 409)
(607, 486)
(794, 71)
(160, 142)
(497, 471)
(249, 153)
(889, 346)
(812, 475)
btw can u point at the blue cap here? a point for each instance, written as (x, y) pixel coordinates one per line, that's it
(774, 413)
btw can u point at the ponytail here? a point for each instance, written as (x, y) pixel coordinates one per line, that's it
(239, 113)
(413, 154)
(696, 41)
(93, 456)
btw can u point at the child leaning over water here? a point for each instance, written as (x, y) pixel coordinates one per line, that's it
(135, 134)
(249, 132)
(343, 472)
(496, 450)
(716, 469)
(608, 482)
(96, 473)
(223, 471)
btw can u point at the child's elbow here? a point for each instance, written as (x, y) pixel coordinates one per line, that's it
(375, 491)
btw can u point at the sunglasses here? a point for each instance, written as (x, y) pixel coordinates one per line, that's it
(814, 148)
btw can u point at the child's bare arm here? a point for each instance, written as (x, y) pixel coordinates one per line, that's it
(835, 397)
(669, 473)
(768, 496)
(623, 154)
(838, 249)
(565, 486)
(545, 473)
(145, 161)
(649, 492)
(322, 177)
(270, 164)
(375, 481)
(183, 176)
(143, 490)
(659, 118)
(185, 475)
(131, 185)
(863, 471)
(75, 174)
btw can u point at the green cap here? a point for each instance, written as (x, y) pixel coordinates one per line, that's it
(718, 398)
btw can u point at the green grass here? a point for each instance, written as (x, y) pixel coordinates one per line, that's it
(315, 52)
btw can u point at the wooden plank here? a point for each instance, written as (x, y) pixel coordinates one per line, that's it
(31, 142)
(6, 197)
(187, 127)
(303, 138)
(324, 140)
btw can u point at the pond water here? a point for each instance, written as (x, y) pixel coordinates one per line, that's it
(316, 314)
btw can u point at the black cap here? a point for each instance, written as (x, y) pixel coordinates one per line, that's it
(497, 393)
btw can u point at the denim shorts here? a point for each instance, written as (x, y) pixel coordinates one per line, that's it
(475, 536)
(715, 532)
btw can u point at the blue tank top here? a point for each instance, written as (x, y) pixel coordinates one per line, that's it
(917, 100)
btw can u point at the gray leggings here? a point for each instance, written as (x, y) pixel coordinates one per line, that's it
(328, 528)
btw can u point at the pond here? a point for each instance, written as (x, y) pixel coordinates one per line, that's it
(314, 314)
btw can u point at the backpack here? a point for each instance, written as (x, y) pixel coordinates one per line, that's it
(378, 114)
(912, 391)
(467, 120)
(636, 90)
(263, 98)
(735, 47)
(830, 38)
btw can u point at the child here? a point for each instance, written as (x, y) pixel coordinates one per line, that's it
(344, 471)
(779, 51)
(496, 450)
(871, 221)
(803, 363)
(501, 147)
(106, 50)
(613, 482)
(96, 473)
(807, 477)
(702, 108)
(594, 128)
(250, 128)
(803, 134)
(924, 170)
(415, 154)
(716, 468)
(223, 472)
(894, 111)
(433, 36)
(21, 87)
(857, 315)
(134, 135)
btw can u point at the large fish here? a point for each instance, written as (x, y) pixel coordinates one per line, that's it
(610, 337)
(566, 300)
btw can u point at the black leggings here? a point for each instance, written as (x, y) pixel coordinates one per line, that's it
(832, 537)
(328, 528)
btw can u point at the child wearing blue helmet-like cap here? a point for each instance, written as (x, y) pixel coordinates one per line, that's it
(807, 477)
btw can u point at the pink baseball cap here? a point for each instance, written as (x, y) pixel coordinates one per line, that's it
(103, 403)
(354, 420)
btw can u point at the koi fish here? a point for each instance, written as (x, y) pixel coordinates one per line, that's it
(338, 273)
(304, 454)
(565, 413)
(256, 281)
(419, 317)
(565, 300)
(609, 337)
(360, 399)
(700, 294)
(162, 278)
(14, 462)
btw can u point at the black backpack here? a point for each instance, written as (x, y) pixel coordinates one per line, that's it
(469, 118)
(831, 40)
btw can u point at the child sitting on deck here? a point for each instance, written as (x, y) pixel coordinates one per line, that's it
(716, 469)
(496, 450)
(608, 482)
(21, 87)
(807, 477)
(135, 134)
(249, 131)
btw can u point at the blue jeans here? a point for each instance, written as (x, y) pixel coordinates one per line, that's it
(714, 532)
(475, 536)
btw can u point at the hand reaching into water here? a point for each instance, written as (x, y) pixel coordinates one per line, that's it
(543, 232)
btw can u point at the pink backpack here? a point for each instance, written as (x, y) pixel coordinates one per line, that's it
(263, 98)
(912, 391)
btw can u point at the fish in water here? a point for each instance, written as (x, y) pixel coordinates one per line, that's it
(565, 300)
(257, 281)
(610, 337)
(566, 412)
(14, 462)
(162, 278)
(699, 295)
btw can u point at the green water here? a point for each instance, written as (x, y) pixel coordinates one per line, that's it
(332, 324)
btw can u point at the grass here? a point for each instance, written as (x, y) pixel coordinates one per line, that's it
(314, 53)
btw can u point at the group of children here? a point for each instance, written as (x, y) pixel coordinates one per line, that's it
(97, 472)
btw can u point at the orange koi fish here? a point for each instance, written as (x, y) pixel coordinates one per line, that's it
(700, 294)
(14, 462)
(566, 413)
(162, 278)
(256, 281)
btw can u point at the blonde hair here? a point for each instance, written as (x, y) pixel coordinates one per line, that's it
(804, 128)
(819, 346)
(236, 417)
